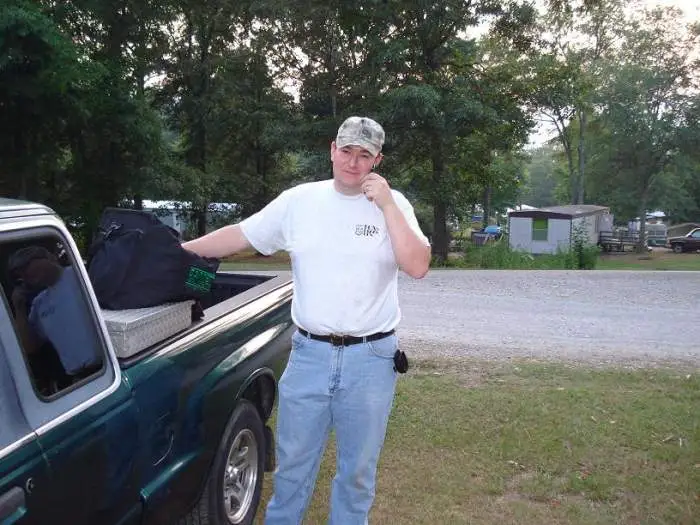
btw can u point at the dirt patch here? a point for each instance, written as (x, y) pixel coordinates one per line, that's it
(516, 490)
(513, 485)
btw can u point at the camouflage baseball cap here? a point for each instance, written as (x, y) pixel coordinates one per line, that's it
(363, 132)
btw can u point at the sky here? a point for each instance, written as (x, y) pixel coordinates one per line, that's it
(691, 8)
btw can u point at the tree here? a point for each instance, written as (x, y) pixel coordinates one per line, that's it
(682, 198)
(544, 170)
(80, 139)
(445, 105)
(254, 127)
(40, 84)
(200, 35)
(647, 101)
(334, 55)
(576, 37)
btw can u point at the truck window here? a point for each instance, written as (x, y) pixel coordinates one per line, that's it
(51, 314)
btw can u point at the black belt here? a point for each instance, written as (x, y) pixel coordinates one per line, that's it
(345, 340)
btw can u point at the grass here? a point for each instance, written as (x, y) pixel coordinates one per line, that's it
(655, 260)
(250, 260)
(498, 256)
(487, 443)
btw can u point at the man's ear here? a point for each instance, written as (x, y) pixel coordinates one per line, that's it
(377, 160)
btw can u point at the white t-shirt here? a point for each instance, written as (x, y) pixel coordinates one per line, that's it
(343, 266)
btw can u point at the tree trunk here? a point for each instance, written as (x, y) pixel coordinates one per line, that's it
(200, 162)
(581, 159)
(23, 186)
(566, 144)
(201, 218)
(441, 240)
(199, 154)
(487, 205)
(641, 245)
(20, 154)
(572, 174)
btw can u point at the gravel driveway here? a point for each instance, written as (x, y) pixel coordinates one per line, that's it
(624, 317)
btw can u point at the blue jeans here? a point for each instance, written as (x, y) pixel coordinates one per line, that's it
(350, 390)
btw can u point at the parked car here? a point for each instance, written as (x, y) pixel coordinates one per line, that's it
(493, 230)
(689, 242)
(175, 433)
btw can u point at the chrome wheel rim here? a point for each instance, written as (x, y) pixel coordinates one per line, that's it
(240, 476)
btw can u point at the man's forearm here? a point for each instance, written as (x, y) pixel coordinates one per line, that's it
(219, 243)
(26, 336)
(412, 255)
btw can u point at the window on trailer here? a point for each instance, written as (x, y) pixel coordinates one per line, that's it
(539, 229)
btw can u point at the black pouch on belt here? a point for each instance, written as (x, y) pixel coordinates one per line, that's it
(400, 362)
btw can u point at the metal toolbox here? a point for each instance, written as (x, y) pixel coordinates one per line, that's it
(132, 331)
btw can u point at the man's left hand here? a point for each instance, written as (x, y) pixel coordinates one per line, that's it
(377, 189)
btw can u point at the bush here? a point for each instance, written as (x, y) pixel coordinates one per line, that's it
(498, 256)
(584, 255)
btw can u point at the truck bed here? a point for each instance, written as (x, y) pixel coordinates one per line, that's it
(229, 284)
(230, 292)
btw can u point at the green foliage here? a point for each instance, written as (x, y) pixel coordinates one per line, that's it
(75, 137)
(647, 101)
(641, 133)
(498, 256)
(543, 172)
(576, 37)
(41, 85)
(104, 104)
(582, 255)
(451, 117)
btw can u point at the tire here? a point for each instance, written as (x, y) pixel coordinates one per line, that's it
(677, 248)
(239, 460)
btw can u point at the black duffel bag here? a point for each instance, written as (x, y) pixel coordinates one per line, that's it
(136, 261)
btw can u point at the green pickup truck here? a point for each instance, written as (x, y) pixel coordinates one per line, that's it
(174, 433)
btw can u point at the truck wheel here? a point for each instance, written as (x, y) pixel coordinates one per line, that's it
(232, 493)
(677, 248)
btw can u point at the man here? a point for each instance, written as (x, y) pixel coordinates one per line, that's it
(57, 314)
(347, 237)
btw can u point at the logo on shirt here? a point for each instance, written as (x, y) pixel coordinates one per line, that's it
(47, 311)
(366, 230)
